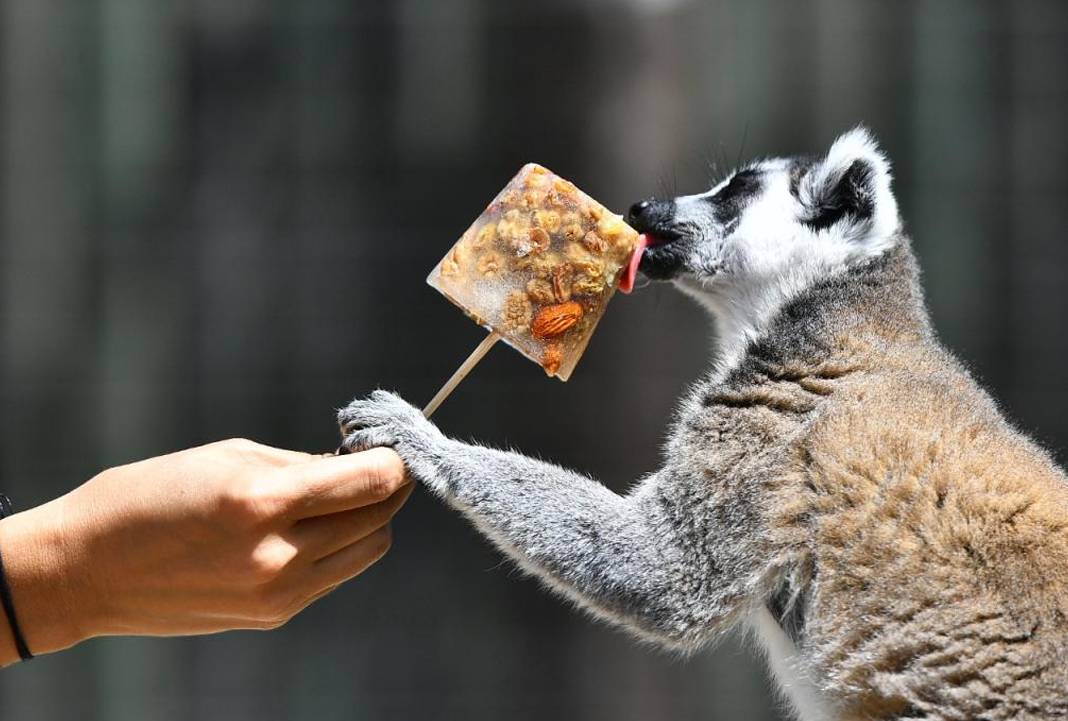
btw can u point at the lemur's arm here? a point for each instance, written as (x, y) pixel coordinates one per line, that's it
(644, 560)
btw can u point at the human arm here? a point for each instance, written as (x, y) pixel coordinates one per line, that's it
(228, 535)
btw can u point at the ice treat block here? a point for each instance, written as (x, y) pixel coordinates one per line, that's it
(538, 268)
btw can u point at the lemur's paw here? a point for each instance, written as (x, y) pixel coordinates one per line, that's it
(385, 419)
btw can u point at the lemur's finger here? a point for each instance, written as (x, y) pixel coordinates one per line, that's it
(380, 408)
(339, 483)
(358, 414)
(321, 536)
(366, 439)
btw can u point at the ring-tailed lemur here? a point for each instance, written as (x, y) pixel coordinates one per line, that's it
(837, 481)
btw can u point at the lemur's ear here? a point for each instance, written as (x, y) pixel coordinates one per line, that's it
(850, 186)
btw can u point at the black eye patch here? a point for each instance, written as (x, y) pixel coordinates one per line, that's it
(728, 203)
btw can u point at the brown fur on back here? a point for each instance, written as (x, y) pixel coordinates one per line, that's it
(931, 536)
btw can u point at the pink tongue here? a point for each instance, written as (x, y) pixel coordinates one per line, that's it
(626, 281)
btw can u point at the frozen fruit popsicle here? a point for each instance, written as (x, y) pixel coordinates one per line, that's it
(537, 269)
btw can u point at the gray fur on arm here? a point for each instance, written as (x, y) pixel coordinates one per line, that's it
(636, 560)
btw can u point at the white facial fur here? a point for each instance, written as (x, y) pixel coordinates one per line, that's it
(746, 270)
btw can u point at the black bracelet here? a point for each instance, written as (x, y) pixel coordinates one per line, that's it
(5, 594)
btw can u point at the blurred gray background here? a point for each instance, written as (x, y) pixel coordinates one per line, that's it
(216, 217)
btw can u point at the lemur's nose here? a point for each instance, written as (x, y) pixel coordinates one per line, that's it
(645, 216)
(636, 211)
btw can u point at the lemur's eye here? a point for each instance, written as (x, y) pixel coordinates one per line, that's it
(729, 202)
(741, 178)
(744, 183)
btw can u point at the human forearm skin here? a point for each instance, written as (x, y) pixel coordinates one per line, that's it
(42, 584)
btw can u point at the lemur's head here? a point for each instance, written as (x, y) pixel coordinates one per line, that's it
(782, 223)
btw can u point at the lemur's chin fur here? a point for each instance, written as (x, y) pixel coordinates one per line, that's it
(768, 231)
(837, 482)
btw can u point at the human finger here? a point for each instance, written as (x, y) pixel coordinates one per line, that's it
(320, 536)
(339, 483)
(350, 561)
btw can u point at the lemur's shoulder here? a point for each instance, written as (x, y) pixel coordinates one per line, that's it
(895, 403)
(884, 432)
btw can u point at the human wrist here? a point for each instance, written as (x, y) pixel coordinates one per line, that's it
(40, 573)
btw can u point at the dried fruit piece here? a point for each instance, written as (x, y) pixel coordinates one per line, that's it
(572, 232)
(585, 285)
(589, 266)
(450, 268)
(485, 237)
(532, 198)
(541, 291)
(589, 271)
(539, 239)
(517, 311)
(454, 263)
(540, 265)
(562, 275)
(583, 260)
(514, 231)
(548, 219)
(563, 194)
(594, 243)
(552, 358)
(508, 231)
(545, 264)
(613, 229)
(490, 265)
(555, 319)
(529, 241)
(537, 177)
(564, 187)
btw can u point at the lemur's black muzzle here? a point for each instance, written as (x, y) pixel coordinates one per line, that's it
(656, 218)
(650, 216)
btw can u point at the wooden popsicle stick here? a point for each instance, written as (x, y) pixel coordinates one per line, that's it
(461, 373)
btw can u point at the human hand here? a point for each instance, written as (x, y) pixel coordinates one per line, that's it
(225, 536)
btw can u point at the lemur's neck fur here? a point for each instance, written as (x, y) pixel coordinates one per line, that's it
(793, 322)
